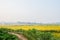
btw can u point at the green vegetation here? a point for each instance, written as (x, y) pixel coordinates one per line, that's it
(29, 34)
(5, 36)
(36, 34)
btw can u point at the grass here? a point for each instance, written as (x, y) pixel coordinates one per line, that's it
(31, 34)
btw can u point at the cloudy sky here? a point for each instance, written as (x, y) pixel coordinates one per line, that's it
(44, 11)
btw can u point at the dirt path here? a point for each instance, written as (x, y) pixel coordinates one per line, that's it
(20, 36)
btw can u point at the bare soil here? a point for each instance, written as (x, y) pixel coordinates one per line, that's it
(20, 36)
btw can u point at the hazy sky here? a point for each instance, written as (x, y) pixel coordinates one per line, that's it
(45, 11)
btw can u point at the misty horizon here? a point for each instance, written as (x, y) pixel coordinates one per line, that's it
(39, 11)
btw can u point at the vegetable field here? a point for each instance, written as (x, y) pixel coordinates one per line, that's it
(35, 32)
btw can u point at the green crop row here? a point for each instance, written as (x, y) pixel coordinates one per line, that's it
(29, 34)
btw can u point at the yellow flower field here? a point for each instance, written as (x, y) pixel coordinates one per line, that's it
(27, 27)
(38, 27)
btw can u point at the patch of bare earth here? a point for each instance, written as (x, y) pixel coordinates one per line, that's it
(20, 36)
